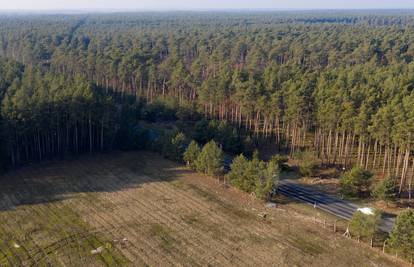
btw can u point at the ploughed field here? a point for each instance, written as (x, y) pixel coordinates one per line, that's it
(137, 209)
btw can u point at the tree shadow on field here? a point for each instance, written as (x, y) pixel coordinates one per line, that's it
(49, 182)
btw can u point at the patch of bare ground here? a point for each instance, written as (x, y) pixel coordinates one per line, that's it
(330, 186)
(137, 209)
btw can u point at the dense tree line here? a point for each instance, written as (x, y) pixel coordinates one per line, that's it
(45, 115)
(339, 83)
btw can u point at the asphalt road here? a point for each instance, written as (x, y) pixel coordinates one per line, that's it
(328, 203)
(320, 200)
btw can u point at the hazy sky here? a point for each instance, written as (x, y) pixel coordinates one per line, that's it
(203, 4)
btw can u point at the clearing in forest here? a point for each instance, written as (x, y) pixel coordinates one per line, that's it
(137, 209)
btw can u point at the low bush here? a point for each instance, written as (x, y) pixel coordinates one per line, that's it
(365, 225)
(281, 162)
(356, 182)
(308, 163)
(385, 190)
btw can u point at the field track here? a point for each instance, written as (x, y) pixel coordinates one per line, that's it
(141, 210)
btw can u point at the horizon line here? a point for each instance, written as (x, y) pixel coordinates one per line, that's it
(161, 10)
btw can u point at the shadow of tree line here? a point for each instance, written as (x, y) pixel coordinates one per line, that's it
(48, 182)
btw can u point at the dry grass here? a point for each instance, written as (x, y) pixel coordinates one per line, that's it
(147, 211)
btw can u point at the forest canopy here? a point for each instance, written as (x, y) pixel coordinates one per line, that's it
(339, 82)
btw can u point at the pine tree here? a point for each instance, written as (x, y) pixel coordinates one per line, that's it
(365, 225)
(356, 182)
(239, 174)
(402, 235)
(385, 190)
(210, 160)
(191, 154)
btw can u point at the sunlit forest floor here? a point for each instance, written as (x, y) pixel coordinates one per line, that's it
(137, 209)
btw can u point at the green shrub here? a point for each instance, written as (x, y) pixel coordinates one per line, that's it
(385, 190)
(308, 163)
(356, 182)
(191, 154)
(254, 176)
(402, 235)
(174, 146)
(364, 225)
(241, 174)
(281, 162)
(210, 160)
(268, 180)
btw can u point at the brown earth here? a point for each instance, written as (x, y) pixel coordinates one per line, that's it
(138, 209)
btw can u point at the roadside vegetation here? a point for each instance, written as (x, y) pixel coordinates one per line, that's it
(402, 236)
(308, 163)
(255, 176)
(400, 241)
(356, 182)
(386, 190)
(365, 226)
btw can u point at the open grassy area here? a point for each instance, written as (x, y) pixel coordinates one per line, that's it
(140, 210)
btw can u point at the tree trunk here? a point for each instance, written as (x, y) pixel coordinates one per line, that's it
(102, 134)
(90, 133)
(411, 182)
(404, 171)
(368, 154)
(375, 155)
